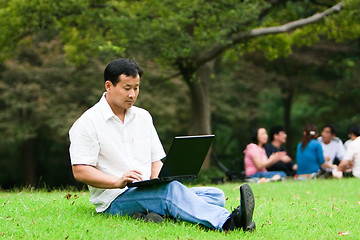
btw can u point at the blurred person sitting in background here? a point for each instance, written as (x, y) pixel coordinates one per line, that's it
(256, 160)
(347, 143)
(277, 139)
(332, 146)
(351, 160)
(309, 154)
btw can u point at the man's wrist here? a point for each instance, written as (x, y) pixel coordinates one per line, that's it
(119, 183)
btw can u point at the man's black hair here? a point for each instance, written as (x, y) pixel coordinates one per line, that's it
(355, 129)
(332, 128)
(120, 66)
(275, 130)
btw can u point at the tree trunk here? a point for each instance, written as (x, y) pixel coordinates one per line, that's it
(27, 151)
(287, 96)
(200, 103)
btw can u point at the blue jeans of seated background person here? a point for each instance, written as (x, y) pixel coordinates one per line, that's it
(203, 205)
(268, 174)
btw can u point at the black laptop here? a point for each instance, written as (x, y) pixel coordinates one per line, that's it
(184, 160)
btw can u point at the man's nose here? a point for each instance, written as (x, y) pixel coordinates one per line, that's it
(131, 93)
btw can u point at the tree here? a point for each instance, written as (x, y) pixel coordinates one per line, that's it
(192, 38)
(322, 72)
(186, 35)
(40, 99)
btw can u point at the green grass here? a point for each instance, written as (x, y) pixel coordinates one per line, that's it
(317, 209)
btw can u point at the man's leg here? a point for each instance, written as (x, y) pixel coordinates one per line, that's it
(269, 174)
(282, 166)
(211, 195)
(172, 199)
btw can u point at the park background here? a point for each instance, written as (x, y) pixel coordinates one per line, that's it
(221, 67)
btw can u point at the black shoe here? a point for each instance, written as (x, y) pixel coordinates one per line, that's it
(149, 217)
(243, 214)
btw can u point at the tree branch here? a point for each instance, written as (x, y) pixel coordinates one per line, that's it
(288, 26)
(235, 39)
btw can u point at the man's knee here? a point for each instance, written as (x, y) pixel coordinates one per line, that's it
(218, 195)
(211, 195)
(174, 187)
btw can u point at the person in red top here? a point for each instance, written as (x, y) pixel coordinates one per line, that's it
(256, 160)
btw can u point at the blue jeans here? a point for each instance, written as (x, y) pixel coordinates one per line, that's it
(202, 205)
(268, 174)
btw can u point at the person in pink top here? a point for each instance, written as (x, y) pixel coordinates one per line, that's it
(256, 159)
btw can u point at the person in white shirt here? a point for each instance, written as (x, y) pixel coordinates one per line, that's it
(115, 143)
(332, 146)
(347, 142)
(351, 160)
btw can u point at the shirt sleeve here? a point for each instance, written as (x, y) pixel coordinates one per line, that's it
(349, 155)
(84, 145)
(253, 152)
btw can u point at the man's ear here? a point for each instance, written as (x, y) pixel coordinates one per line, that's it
(108, 85)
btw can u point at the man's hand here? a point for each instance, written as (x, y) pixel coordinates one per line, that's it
(129, 177)
(284, 157)
(279, 155)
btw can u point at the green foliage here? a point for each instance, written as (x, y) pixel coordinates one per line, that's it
(340, 27)
(40, 94)
(58, 49)
(21, 18)
(40, 98)
(346, 24)
(184, 29)
(275, 46)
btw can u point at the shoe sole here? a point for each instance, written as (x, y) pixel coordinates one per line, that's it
(247, 207)
(148, 217)
(153, 217)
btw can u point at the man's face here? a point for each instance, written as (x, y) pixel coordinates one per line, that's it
(124, 94)
(352, 136)
(326, 135)
(281, 137)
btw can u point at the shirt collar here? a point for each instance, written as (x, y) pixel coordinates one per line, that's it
(108, 113)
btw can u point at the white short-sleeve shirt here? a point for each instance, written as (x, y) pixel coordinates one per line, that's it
(98, 138)
(334, 149)
(353, 154)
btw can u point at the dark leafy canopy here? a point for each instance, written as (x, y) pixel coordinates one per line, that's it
(184, 29)
(40, 97)
(173, 32)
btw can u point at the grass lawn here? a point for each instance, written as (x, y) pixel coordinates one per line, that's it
(316, 209)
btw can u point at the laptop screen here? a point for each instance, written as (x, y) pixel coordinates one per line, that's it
(186, 155)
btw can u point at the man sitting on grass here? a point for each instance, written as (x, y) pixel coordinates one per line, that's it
(277, 139)
(115, 143)
(332, 146)
(351, 160)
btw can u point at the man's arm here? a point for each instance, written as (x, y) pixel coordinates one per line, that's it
(275, 157)
(286, 158)
(90, 175)
(155, 169)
